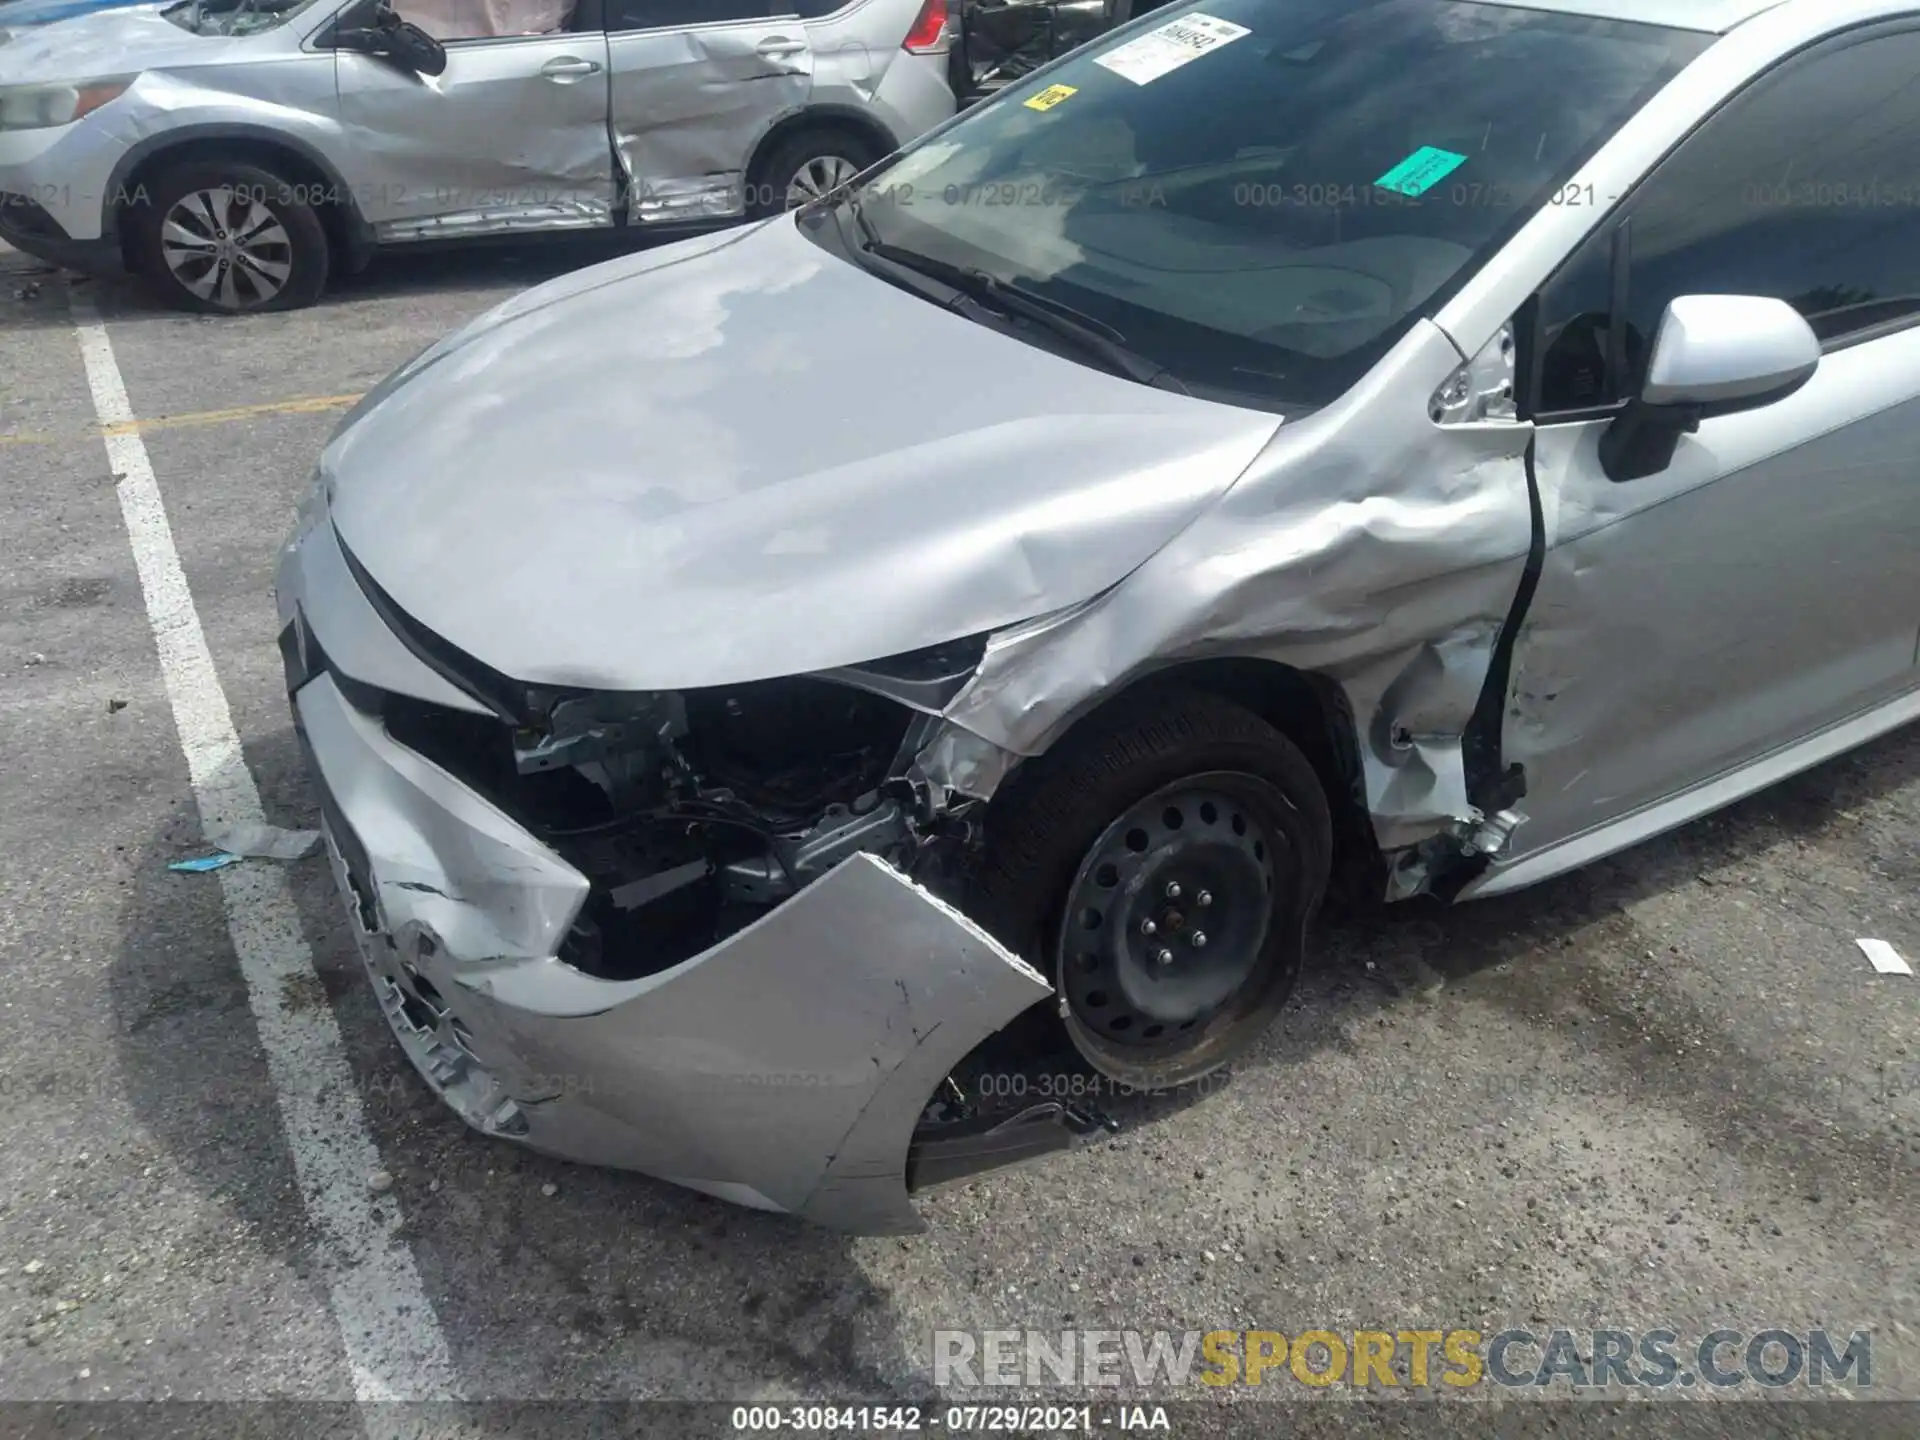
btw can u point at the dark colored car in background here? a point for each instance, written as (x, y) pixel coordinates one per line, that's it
(1001, 40)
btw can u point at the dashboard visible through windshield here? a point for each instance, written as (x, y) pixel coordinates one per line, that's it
(1259, 196)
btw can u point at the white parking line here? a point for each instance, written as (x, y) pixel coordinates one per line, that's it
(394, 1347)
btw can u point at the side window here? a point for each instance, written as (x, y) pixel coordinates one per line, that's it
(1805, 187)
(677, 14)
(451, 21)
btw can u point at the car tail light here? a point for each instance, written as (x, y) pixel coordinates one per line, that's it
(929, 29)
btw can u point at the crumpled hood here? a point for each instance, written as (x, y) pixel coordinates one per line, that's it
(739, 457)
(104, 43)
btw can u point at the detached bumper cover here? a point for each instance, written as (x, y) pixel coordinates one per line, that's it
(785, 1068)
(28, 227)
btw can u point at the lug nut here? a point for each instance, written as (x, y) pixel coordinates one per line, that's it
(1198, 938)
(1147, 927)
(1205, 897)
(1173, 890)
(1165, 957)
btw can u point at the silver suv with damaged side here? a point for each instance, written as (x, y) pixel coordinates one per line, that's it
(765, 689)
(235, 153)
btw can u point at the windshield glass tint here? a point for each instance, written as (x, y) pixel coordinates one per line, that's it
(1261, 195)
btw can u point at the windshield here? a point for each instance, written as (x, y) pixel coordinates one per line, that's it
(1260, 196)
(234, 17)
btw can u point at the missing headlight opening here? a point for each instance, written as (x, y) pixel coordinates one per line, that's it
(691, 815)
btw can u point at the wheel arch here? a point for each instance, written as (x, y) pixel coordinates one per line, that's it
(347, 231)
(819, 117)
(1310, 710)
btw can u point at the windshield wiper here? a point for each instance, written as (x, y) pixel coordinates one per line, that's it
(1089, 335)
(869, 237)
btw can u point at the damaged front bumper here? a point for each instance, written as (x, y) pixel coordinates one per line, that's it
(791, 1067)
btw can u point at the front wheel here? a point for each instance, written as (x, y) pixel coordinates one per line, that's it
(1164, 867)
(229, 238)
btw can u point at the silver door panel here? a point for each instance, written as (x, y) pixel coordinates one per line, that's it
(690, 105)
(1530, 867)
(1761, 588)
(512, 136)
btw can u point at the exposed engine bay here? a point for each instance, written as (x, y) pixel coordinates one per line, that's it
(693, 814)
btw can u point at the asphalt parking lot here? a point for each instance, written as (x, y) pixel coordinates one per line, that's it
(1669, 1092)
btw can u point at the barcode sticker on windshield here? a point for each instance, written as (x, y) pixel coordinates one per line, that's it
(1421, 171)
(1178, 42)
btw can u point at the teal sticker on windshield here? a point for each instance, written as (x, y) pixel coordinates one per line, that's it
(1421, 171)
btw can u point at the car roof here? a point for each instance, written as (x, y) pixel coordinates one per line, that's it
(1715, 17)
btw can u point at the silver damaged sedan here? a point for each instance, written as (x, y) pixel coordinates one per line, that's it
(768, 690)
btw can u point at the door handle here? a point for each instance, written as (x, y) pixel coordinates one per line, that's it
(568, 67)
(779, 47)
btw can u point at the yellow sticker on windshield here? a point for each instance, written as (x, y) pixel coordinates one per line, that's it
(1051, 96)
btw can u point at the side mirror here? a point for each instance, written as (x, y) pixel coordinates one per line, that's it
(414, 48)
(391, 38)
(1713, 355)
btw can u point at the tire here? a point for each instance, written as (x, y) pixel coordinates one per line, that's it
(816, 153)
(205, 197)
(1051, 832)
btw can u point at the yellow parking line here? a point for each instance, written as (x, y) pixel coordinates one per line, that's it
(311, 405)
(308, 405)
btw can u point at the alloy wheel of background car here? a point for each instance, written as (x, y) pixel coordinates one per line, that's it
(1162, 866)
(819, 176)
(226, 248)
(229, 239)
(808, 165)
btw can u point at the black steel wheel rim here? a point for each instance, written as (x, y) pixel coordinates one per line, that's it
(1168, 922)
